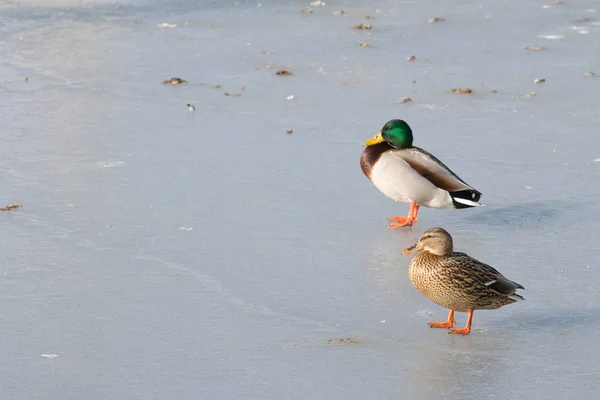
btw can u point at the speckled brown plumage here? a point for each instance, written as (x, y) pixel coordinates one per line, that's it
(460, 282)
(455, 280)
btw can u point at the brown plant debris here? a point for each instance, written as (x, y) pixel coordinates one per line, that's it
(462, 91)
(435, 20)
(348, 340)
(174, 81)
(10, 207)
(534, 48)
(586, 20)
(283, 72)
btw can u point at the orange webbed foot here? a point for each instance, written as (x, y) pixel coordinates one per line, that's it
(467, 328)
(402, 221)
(460, 331)
(445, 324)
(405, 221)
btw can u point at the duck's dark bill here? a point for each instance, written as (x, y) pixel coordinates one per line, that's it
(374, 140)
(412, 249)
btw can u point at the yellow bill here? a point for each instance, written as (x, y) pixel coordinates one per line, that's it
(374, 140)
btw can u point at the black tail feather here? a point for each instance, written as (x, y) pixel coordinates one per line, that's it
(467, 194)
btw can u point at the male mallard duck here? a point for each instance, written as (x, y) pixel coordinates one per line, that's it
(409, 174)
(456, 281)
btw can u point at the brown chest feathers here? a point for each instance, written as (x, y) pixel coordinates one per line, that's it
(370, 155)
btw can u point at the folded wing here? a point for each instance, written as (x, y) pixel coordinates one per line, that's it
(436, 172)
(487, 275)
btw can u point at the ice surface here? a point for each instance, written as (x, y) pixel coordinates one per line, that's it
(224, 259)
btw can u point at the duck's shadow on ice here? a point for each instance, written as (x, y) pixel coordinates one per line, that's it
(562, 319)
(521, 215)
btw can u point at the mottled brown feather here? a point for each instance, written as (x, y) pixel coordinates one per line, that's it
(460, 282)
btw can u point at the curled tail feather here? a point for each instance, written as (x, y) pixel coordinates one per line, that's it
(466, 198)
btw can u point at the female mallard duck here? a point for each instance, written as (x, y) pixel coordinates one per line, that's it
(409, 174)
(455, 280)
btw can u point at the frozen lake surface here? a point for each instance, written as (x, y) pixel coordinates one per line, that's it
(168, 254)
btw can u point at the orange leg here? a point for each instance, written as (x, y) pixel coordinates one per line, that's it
(466, 329)
(447, 324)
(413, 209)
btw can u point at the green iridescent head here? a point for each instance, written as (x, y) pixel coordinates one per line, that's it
(396, 133)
